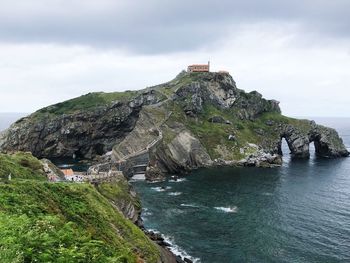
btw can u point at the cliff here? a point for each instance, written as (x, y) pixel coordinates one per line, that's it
(195, 120)
(41, 221)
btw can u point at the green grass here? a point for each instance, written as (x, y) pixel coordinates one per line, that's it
(87, 102)
(42, 221)
(21, 165)
(118, 193)
(65, 222)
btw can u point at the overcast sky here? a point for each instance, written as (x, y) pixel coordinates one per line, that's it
(297, 52)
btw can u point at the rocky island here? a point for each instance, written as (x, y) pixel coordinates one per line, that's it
(198, 119)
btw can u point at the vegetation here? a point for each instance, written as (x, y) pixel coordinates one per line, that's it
(21, 165)
(64, 222)
(118, 193)
(87, 102)
(214, 136)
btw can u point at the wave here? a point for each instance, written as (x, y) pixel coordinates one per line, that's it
(178, 250)
(267, 194)
(190, 205)
(65, 165)
(175, 193)
(230, 209)
(145, 212)
(158, 189)
(179, 180)
(154, 182)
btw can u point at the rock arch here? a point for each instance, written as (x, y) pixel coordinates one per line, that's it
(326, 140)
(298, 143)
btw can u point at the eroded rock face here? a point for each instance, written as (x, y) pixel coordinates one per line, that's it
(220, 90)
(154, 174)
(52, 171)
(183, 153)
(327, 141)
(298, 142)
(84, 133)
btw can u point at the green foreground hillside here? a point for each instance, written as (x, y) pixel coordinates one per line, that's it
(63, 222)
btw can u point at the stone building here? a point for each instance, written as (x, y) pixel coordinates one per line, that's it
(199, 67)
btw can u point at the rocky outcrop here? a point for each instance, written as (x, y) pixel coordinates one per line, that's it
(53, 173)
(327, 142)
(83, 133)
(298, 142)
(183, 153)
(220, 90)
(154, 174)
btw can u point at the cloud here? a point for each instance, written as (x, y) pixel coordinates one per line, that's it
(161, 26)
(294, 51)
(270, 58)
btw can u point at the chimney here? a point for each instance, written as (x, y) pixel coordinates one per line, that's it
(208, 66)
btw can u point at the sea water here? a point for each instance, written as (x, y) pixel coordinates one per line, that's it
(299, 212)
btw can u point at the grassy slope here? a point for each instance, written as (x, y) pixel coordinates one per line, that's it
(87, 102)
(21, 165)
(65, 222)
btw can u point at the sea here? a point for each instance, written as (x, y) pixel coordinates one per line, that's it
(299, 212)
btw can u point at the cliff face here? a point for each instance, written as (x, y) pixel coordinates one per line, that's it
(84, 127)
(195, 120)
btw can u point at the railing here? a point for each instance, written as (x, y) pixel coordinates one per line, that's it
(102, 176)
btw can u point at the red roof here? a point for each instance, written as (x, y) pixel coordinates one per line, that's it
(67, 172)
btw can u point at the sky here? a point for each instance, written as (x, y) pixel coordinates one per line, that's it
(297, 52)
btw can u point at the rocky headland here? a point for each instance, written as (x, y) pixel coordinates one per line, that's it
(195, 120)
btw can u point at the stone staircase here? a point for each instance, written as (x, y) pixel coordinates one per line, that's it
(132, 152)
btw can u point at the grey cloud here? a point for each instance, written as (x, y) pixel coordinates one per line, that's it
(159, 26)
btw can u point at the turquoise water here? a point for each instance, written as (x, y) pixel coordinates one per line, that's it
(299, 212)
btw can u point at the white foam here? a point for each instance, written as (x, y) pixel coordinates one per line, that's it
(158, 189)
(139, 177)
(175, 193)
(230, 209)
(146, 212)
(65, 165)
(175, 248)
(178, 250)
(177, 180)
(189, 205)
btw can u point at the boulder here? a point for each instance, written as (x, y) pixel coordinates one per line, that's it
(154, 174)
(217, 119)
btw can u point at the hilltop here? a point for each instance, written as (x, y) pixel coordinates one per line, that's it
(194, 120)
